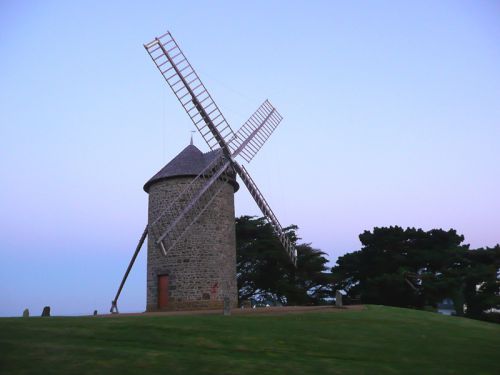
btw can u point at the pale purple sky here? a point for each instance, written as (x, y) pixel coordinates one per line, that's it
(391, 117)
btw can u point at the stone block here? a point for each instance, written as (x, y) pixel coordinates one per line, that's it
(46, 311)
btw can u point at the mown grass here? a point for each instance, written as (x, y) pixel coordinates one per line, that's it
(377, 340)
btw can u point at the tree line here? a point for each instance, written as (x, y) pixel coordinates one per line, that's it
(395, 266)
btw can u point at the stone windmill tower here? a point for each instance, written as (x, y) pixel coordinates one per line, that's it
(199, 271)
(191, 233)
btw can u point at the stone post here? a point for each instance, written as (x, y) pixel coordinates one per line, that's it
(46, 311)
(227, 306)
(338, 299)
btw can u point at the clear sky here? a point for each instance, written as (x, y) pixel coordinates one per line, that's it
(391, 117)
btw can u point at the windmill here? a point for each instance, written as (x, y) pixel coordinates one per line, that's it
(183, 206)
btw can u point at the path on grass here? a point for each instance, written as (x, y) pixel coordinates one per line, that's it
(248, 311)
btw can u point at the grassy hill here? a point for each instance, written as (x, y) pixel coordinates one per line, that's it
(377, 340)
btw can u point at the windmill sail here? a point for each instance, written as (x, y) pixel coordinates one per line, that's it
(190, 91)
(201, 191)
(255, 131)
(188, 206)
(267, 211)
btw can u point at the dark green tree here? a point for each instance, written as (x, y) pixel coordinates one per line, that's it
(402, 267)
(265, 272)
(481, 288)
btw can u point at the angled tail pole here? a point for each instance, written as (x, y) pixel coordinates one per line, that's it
(114, 306)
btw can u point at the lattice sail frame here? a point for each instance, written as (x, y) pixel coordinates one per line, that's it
(255, 131)
(267, 211)
(189, 90)
(174, 221)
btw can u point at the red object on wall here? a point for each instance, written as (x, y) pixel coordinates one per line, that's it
(162, 291)
(214, 289)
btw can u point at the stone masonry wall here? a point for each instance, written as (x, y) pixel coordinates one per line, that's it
(202, 265)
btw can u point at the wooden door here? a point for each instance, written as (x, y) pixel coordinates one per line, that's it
(162, 291)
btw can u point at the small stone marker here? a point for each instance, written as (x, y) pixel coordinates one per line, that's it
(46, 311)
(227, 306)
(338, 299)
(26, 313)
(95, 312)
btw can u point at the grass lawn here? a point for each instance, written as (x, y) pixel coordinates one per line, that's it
(377, 340)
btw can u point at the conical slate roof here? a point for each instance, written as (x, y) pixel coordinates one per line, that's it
(189, 162)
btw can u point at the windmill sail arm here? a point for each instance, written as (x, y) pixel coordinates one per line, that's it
(188, 206)
(190, 91)
(252, 135)
(267, 211)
